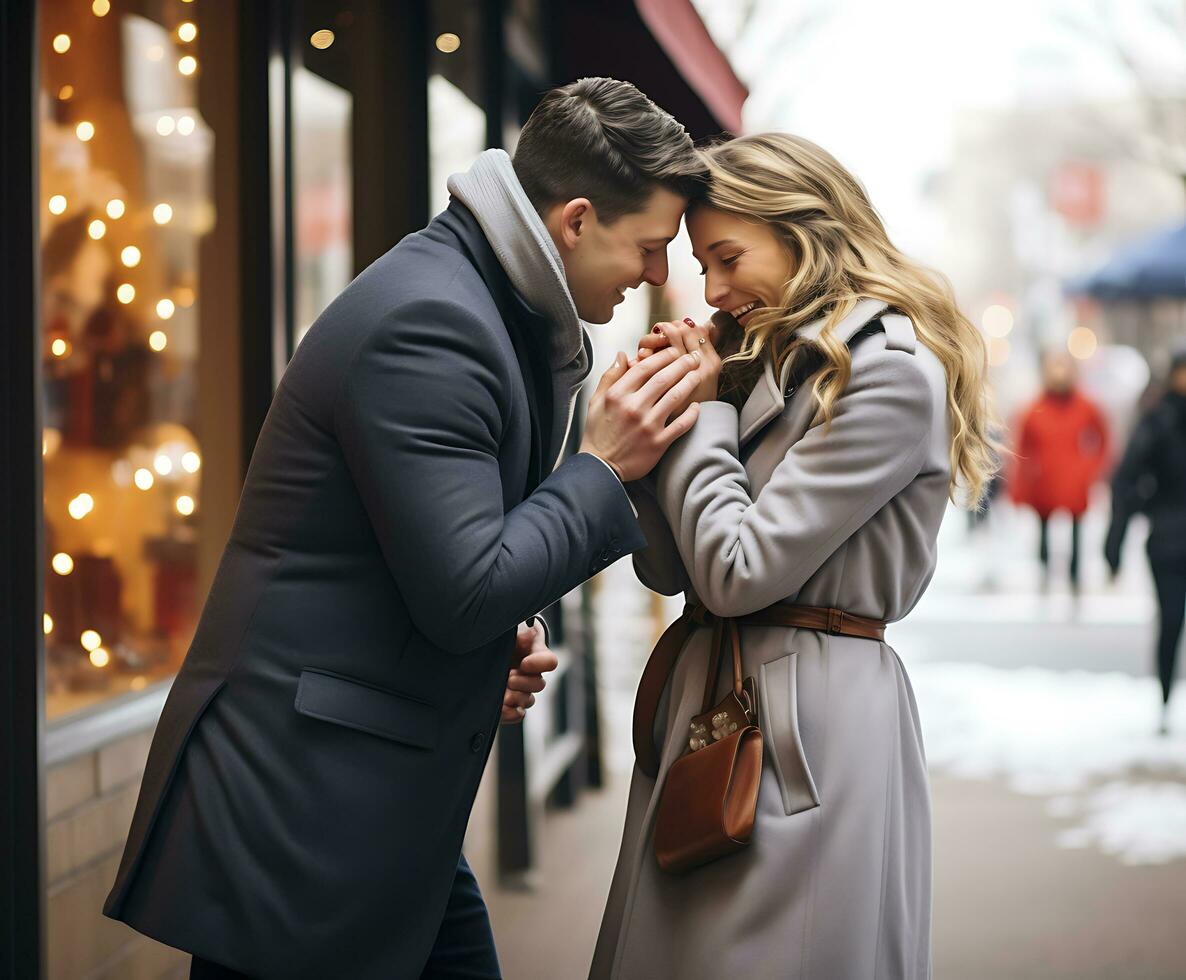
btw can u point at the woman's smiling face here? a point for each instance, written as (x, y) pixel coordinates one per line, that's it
(744, 264)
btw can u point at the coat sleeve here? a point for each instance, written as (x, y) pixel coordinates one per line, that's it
(745, 553)
(658, 566)
(420, 418)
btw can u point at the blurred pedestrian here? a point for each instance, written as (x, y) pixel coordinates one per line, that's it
(1151, 478)
(1062, 448)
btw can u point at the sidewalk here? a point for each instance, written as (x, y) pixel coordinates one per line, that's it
(1060, 819)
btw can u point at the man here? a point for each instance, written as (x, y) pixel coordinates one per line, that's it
(312, 774)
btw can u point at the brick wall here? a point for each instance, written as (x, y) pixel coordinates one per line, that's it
(89, 801)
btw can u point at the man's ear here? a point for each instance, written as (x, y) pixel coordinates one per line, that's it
(573, 221)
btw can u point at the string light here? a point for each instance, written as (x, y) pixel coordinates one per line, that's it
(162, 464)
(165, 125)
(448, 42)
(80, 506)
(62, 563)
(157, 340)
(143, 479)
(165, 308)
(66, 93)
(185, 505)
(57, 204)
(322, 39)
(59, 348)
(115, 209)
(47, 623)
(191, 462)
(96, 229)
(130, 256)
(187, 31)
(100, 657)
(90, 640)
(125, 293)
(85, 131)
(62, 43)
(185, 125)
(101, 8)
(162, 214)
(187, 65)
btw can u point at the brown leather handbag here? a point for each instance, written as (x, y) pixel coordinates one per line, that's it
(708, 801)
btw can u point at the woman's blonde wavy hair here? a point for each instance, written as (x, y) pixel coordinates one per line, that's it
(841, 254)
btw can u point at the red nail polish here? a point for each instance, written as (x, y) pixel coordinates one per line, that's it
(689, 321)
(655, 329)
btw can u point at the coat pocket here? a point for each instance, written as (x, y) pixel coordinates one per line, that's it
(366, 708)
(779, 696)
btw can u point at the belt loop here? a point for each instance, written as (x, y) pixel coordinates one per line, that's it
(835, 620)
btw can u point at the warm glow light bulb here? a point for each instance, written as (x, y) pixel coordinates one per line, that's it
(90, 640)
(191, 462)
(448, 42)
(100, 657)
(185, 505)
(130, 256)
(57, 204)
(85, 130)
(187, 31)
(165, 125)
(158, 341)
(62, 563)
(322, 39)
(162, 214)
(80, 506)
(101, 8)
(66, 93)
(143, 479)
(59, 347)
(47, 623)
(187, 65)
(115, 208)
(1082, 343)
(125, 293)
(165, 309)
(62, 43)
(163, 464)
(96, 229)
(185, 125)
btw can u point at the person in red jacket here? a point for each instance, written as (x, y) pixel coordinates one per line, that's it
(1062, 448)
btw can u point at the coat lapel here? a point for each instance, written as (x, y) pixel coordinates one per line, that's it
(768, 399)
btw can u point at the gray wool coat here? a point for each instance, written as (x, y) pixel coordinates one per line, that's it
(765, 506)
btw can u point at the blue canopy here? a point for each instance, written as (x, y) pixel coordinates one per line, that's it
(1151, 268)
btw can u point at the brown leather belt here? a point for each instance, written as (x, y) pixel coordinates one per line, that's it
(671, 644)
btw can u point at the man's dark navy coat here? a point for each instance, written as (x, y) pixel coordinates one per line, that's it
(311, 777)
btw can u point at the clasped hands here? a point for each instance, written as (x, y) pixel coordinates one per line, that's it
(643, 404)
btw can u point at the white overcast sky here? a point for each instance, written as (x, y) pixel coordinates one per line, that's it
(879, 84)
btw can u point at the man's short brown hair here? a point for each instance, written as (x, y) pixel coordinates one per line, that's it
(603, 139)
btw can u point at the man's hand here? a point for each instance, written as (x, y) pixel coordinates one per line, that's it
(627, 424)
(533, 659)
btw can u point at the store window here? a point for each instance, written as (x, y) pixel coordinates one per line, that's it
(456, 121)
(126, 177)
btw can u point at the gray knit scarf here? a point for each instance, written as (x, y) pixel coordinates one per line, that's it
(516, 233)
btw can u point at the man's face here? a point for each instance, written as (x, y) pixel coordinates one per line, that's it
(602, 261)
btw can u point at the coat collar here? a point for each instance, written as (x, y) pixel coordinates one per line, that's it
(768, 398)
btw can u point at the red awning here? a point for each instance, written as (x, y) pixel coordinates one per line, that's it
(677, 27)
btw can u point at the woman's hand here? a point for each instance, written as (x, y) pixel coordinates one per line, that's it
(687, 337)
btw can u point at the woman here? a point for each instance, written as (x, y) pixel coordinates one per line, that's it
(1152, 478)
(817, 474)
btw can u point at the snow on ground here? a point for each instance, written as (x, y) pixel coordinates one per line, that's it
(1085, 739)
